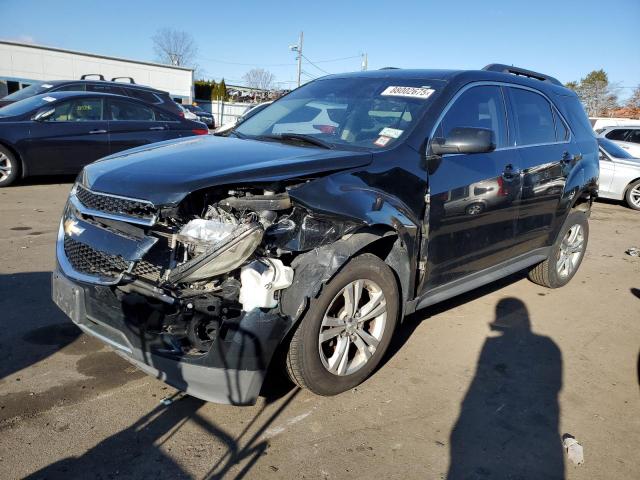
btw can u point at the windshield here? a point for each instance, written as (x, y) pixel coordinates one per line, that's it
(26, 105)
(29, 91)
(608, 146)
(359, 112)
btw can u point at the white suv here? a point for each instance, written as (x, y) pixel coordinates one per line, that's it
(627, 138)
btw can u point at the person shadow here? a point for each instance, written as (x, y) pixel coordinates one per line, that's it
(508, 422)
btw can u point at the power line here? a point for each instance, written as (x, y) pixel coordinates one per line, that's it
(321, 69)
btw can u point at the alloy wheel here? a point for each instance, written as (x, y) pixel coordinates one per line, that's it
(634, 195)
(5, 167)
(352, 327)
(571, 249)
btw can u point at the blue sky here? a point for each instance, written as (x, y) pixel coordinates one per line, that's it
(565, 38)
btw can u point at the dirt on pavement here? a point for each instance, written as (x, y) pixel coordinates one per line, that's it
(481, 386)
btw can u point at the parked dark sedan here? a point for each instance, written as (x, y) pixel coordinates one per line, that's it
(203, 115)
(61, 132)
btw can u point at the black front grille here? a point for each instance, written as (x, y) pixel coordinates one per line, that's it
(87, 260)
(147, 270)
(115, 205)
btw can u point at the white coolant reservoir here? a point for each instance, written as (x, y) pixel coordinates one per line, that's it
(260, 280)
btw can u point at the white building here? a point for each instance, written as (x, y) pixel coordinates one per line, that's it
(22, 64)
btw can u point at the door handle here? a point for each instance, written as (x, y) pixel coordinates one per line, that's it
(158, 128)
(97, 131)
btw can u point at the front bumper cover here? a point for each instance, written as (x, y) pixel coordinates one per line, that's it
(232, 372)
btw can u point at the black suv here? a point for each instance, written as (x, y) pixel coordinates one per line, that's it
(131, 89)
(322, 221)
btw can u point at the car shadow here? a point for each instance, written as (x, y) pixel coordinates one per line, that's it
(636, 292)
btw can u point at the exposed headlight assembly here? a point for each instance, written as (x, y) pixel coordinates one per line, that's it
(222, 256)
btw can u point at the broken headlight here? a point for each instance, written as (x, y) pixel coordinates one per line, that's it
(216, 250)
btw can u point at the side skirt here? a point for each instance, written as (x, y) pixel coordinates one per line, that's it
(478, 279)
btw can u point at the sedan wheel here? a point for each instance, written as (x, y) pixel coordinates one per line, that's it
(633, 195)
(9, 168)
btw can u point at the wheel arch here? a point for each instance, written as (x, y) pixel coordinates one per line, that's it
(317, 267)
(16, 153)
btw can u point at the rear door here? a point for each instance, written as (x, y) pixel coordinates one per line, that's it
(472, 215)
(73, 136)
(547, 153)
(132, 124)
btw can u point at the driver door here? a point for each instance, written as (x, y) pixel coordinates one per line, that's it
(472, 214)
(74, 135)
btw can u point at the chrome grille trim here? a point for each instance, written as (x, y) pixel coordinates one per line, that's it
(85, 201)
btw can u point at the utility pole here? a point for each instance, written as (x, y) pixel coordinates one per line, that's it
(298, 48)
(365, 62)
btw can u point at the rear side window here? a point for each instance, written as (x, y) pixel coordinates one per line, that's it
(143, 95)
(562, 132)
(617, 134)
(480, 107)
(533, 118)
(121, 110)
(93, 87)
(72, 87)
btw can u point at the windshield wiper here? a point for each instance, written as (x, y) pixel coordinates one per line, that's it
(298, 136)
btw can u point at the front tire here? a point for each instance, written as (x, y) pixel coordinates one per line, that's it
(347, 328)
(632, 195)
(566, 254)
(9, 167)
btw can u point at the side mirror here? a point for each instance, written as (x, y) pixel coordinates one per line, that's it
(43, 114)
(465, 140)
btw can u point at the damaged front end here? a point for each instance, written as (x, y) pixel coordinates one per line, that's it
(190, 292)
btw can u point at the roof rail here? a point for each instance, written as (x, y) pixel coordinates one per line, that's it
(131, 80)
(523, 72)
(84, 77)
(390, 68)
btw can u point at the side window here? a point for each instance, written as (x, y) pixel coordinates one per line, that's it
(83, 110)
(143, 95)
(94, 87)
(164, 117)
(617, 134)
(562, 132)
(480, 107)
(634, 137)
(73, 87)
(122, 110)
(533, 118)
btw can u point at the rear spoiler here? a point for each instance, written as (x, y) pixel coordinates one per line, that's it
(523, 72)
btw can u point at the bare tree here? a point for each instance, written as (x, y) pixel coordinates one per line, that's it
(259, 78)
(175, 47)
(598, 95)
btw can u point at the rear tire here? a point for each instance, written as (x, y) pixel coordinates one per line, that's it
(9, 167)
(336, 346)
(566, 253)
(632, 195)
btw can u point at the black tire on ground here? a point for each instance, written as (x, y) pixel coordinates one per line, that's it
(304, 364)
(9, 167)
(546, 273)
(627, 196)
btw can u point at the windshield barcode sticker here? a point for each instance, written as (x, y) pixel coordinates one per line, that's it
(412, 92)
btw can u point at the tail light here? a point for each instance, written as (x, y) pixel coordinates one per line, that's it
(181, 114)
(200, 131)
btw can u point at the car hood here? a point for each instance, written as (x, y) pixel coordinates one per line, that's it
(164, 173)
